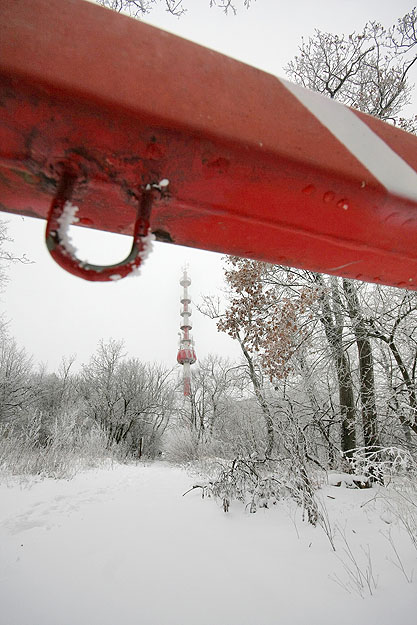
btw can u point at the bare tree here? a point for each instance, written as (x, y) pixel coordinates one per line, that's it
(394, 323)
(139, 8)
(6, 256)
(368, 71)
(17, 390)
(213, 385)
(131, 401)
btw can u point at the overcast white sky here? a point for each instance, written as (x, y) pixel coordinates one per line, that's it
(53, 314)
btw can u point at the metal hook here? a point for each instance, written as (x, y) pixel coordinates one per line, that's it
(62, 214)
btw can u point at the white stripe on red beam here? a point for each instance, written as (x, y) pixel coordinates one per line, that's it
(379, 159)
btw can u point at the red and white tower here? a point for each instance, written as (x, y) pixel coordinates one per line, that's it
(186, 354)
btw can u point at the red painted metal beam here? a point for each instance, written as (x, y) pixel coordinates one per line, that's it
(256, 167)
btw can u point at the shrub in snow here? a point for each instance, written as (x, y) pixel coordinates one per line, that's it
(181, 445)
(381, 464)
(260, 483)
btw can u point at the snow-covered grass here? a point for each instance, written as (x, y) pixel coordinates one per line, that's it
(123, 546)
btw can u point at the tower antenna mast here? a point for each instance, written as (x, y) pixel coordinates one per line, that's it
(186, 353)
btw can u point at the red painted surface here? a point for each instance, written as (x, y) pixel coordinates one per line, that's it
(186, 355)
(251, 172)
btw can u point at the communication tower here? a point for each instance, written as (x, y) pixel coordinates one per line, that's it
(186, 353)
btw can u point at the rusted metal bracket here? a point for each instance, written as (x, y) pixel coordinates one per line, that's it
(62, 215)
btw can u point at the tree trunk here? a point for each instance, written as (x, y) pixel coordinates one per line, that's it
(333, 329)
(269, 421)
(366, 367)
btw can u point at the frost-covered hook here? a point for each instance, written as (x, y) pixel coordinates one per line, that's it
(63, 213)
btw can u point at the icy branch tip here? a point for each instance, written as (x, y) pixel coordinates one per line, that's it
(147, 246)
(162, 184)
(65, 220)
(143, 255)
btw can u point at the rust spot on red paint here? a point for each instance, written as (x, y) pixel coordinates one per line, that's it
(154, 151)
(220, 164)
(163, 235)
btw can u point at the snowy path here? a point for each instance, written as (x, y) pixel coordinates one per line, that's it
(123, 547)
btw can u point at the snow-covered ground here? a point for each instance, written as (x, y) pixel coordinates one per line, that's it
(122, 546)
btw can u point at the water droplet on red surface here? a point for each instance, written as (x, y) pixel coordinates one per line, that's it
(220, 164)
(328, 196)
(309, 189)
(343, 204)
